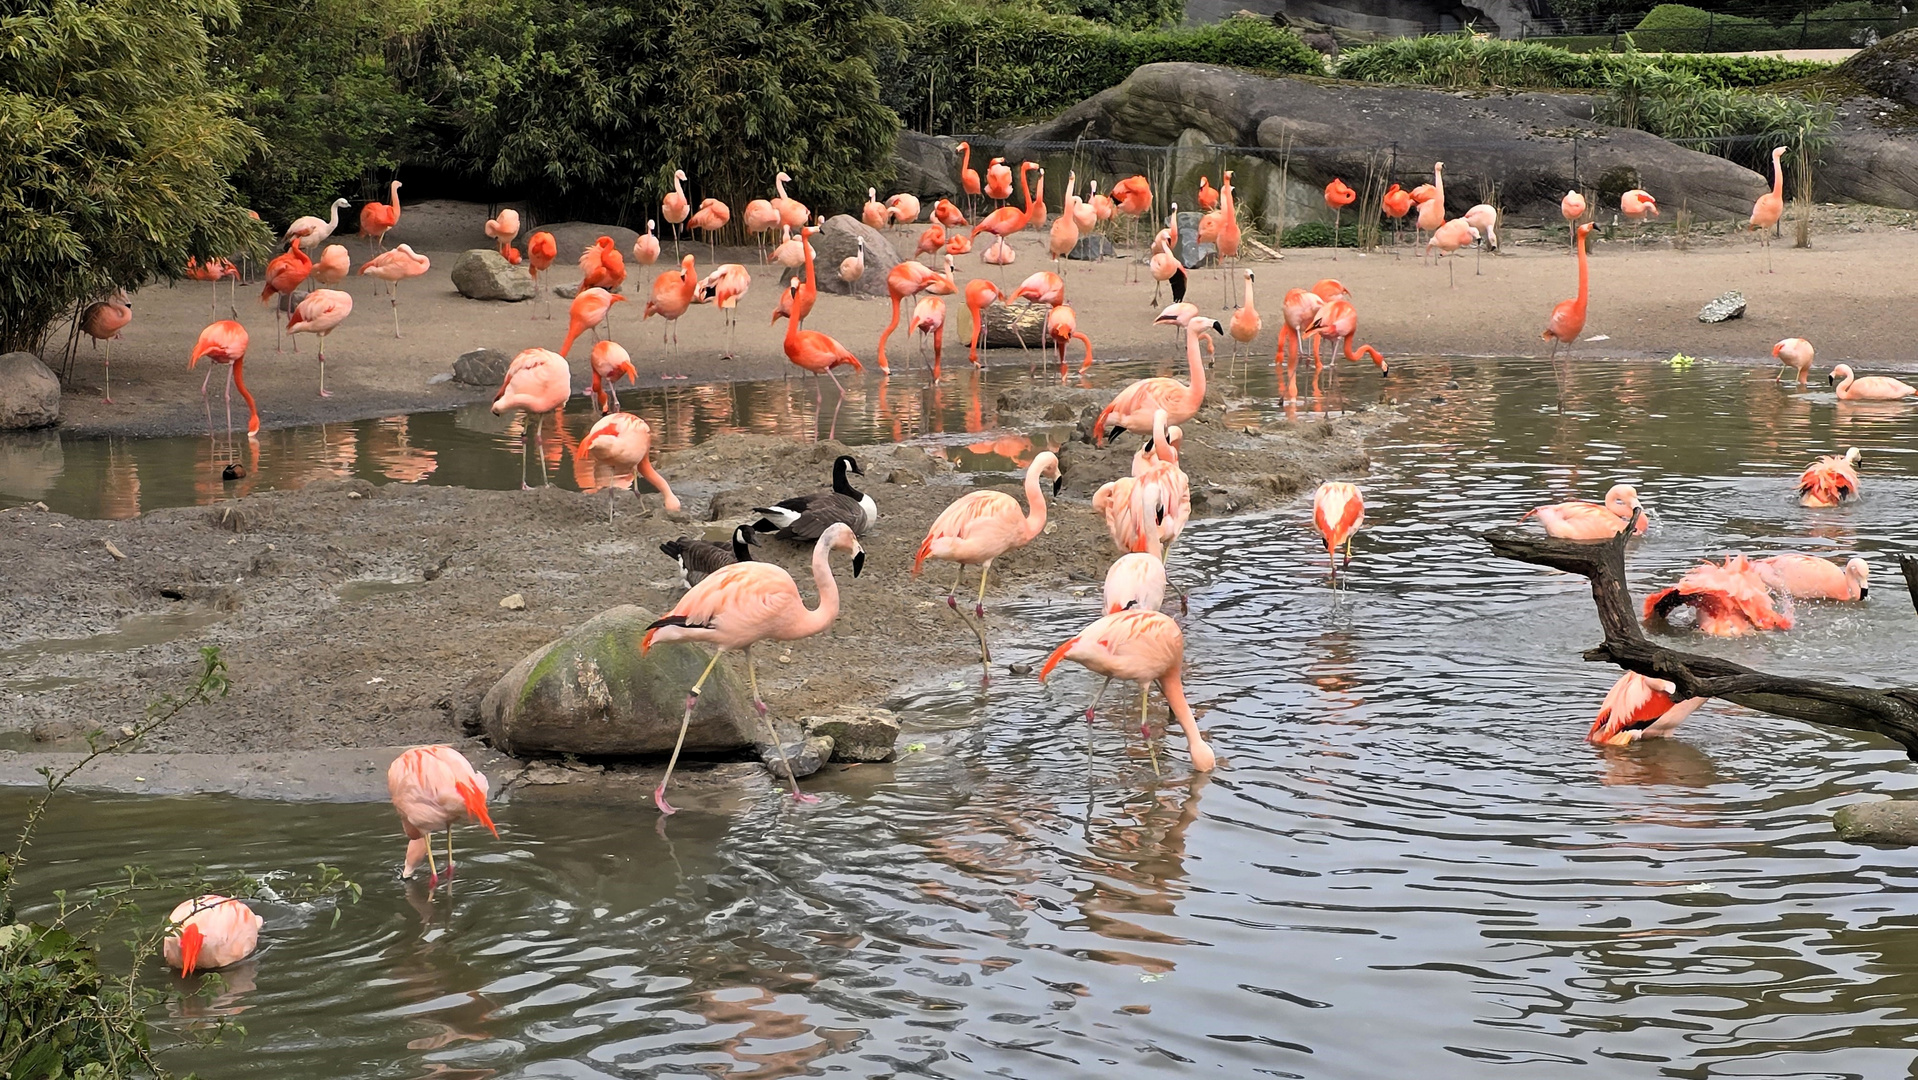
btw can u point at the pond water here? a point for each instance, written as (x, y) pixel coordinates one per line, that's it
(1409, 863)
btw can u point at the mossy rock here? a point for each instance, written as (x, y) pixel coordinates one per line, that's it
(1886, 821)
(592, 693)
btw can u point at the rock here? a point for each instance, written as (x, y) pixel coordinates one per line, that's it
(517, 601)
(1887, 821)
(806, 756)
(837, 241)
(1888, 69)
(1010, 325)
(1867, 159)
(1191, 253)
(1062, 412)
(592, 693)
(905, 476)
(1092, 247)
(481, 367)
(484, 274)
(858, 734)
(927, 166)
(1724, 309)
(29, 393)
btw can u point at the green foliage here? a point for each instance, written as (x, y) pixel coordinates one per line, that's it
(1836, 26)
(1318, 234)
(1460, 60)
(1680, 105)
(596, 103)
(115, 153)
(1125, 14)
(970, 67)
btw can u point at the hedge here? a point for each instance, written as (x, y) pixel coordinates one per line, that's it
(1466, 62)
(1837, 26)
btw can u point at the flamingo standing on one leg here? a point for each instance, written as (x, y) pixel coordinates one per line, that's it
(502, 227)
(968, 176)
(1593, 521)
(1771, 205)
(215, 269)
(904, 208)
(981, 526)
(1572, 207)
(1245, 324)
(377, 218)
(711, 217)
(394, 267)
(623, 443)
(980, 294)
(1639, 708)
(210, 932)
(1143, 647)
(103, 322)
(739, 606)
(538, 381)
(1338, 196)
(1793, 353)
(1447, 240)
(1568, 316)
(1432, 207)
(435, 788)
(911, 278)
(1483, 219)
(601, 266)
(332, 266)
(1229, 234)
(1830, 481)
(321, 312)
(225, 342)
(674, 208)
(673, 293)
(1338, 512)
(646, 245)
(1869, 388)
(724, 288)
(1132, 199)
(1396, 203)
(1637, 205)
(541, 250)
(1007, 220)
(611, 362)
(284, 273)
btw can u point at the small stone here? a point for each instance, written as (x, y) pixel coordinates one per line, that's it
(1060, 410)
(357, 495)
(858, 734)
(114, 551)
(128, 730)
(1886, 821)
(481, 367)
(1725, 308)
(1092, 247)
(903, 476)
(807, 756)
(1019, 669)
(515, 602)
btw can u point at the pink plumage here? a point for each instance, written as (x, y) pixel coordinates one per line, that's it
(210, 932)
(1141, 647)
(434, 788)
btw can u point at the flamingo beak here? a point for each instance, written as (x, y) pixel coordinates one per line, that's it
(191, 941)
(858, 561)
(1057, 483)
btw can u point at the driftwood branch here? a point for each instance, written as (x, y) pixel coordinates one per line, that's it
(1910, 563)
(1891, 713)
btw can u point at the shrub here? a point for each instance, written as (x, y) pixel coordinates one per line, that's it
(1460, 60)
(1125, 14)
(1681, 28)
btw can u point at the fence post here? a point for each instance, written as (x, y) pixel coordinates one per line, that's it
(1804, 28)
(1711, 21)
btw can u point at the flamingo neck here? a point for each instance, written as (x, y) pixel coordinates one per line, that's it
(1195, 392)
(1584, 272)
(332, 221)
(780, 186)
(239, 381)
(1036, 501)
(1173, 687)
(393, 193)
(813, 620)
(1025, 192)
(1248, 294)
(1778, 176)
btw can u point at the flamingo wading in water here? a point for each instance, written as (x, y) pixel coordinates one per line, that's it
(435, 788)
(538, 382)
(981, 526)
(210, 932)
(1143, 647)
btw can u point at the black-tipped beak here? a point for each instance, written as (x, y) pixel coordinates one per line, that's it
(1830, 380)
(1864, 592)
(1058, 482)
(858, 561)
(1147, 448)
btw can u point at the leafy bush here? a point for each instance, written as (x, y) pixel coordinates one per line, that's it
(1125, 14)
(968, 67)
(1460, 60)
(1318, 234)
(115, 154)
(1744, 125)
(1836, 26)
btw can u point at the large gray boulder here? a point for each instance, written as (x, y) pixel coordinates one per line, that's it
(592, 693)
(1888, 69)
(836, 241)
(29, 393)
(484, 274)
(1885, 821)
(1533, 146)
(1866, 161)
(926, 165)
(481, 367)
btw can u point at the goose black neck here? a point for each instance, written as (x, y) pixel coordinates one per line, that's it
(742, 550)
(840, 482)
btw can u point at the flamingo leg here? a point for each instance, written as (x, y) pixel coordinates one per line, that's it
(539, 448)
(1094, 707)
(980, 607)
(752, 679)
(432, 882)
(449, 851)
(107, 394)
(692, 699)
(1145, 727)
(396, 334)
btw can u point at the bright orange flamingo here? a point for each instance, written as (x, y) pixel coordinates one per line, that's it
(394, 267)
(739, 606)
(541, 250)
(1396, 202)
(1208, 198)
(538, 381)
(672, 295)
(932, 239)
(225, 342)
(998, 180)
(103, 322)
(1338, 513)
(946, 214)
(377, 219)
(1806, 577)
(1729, 599)
(284, 273)
(1639, 708)
(1432, 206)
(1568, 317)
(502, 227)
(1338, 196)
(910, 278)
(1571, 208)
(1830, 481)
(646, 245)
(1794, 353)
(1869, 388)
(958, 243)
(674, 208)
(1141, 647)
(1133, 408)
(981, 526)
(623, 443)
(434, 788)
(816, 352)
(611, 362)
(1062, 326)
(929, 320)
(587, 312)
(1593, 521)
(1339, 320)
(980, 294)
(1245, 324)
(321, 312)
(798, 305)
(1007, 220)
(215, 269)
(968, 176)
(1132, 197)
(601, 266)
(210, 932)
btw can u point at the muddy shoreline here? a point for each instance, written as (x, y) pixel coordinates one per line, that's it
(357, 617)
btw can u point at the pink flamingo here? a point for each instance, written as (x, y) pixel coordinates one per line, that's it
(210, 932)
(312, 231)
(904, 208)
(1432, 205)
(587, 312)
(1114, 504)
(502, 227)
(1007, 220)
(998, 180)
(929, 320)
(724, 288)
(377, 219)
(1245, 324)
(711, 217)
(1869, 388)
(225, 342)
(1568, 316)
(1164, 263)
(1135, 581)
(332, 266)
(538, 381)
(1830, 481)
(673, 206)
(1339, 320)
(1805, 577)
(434, 788)
(320, 312)
(792, 212)
(1338, 513)
(673, 293)
(813, 351)
(980, 294)
(1637, 205)
(623, 442)
(1448, 239)
(911, 278)
(103, 322)
(394, 267)
(1133, 408)
(1301, 308)
(1044, 287)
(610, 362)
(1062, 326)
(1639, 708)
(1142, 647)
(1729, 599)
(1593, 521)
(945, 214)
(646, 245)
(981, 526)
(874, 213)
(739, 606)
(1794, 353)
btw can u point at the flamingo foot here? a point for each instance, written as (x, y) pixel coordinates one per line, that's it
(524, 486)
(659, 800)
(979, 610)
(433, 882)
(761, 706)
(952, 602)
(106, 401)
(326, 393)
(803, 798)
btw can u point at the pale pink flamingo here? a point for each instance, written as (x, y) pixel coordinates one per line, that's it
(929, 320)
(1301, 308)
(1141, 647)
(1113, 503)
(1806, 577)
(910, 278)
(1571, 208)
(311, 231)
(435, 788)
(724, 288)
(1593, 521)
(1135, 581)
(225, 342)
(394, 267)
(1729, 599)
(103, 322)
(610, 362)
(1044, 287)
(1830, 481)
(1869, 388)
(1639, 708)
(853, 267)
(1484, 219)
(646, 245)
(208, 933)
(587, 312)
(998, 180)
(760, 219)
(981, 526)
(904, 208)
(791, 211)
(1338, 513)
(623, 443)
(739, 606)
(1161, 492)
(1637, 205)
(1245, 324)
(998, 253)
(1448, 239)
(874, 213)
(1164, 262)
(320, 312)
(538, 382)
(1132, 409)
(1794, 353)
(503, 227)
(332, 266)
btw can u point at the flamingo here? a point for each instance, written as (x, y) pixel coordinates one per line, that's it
(931, 239)
(215, 269)
(601, 266)
(980, 294)
(1432, 206)
(332, 266)
(1869, 388)
(759, 218)
(1143, 647)
(672, 295)
(1208, 196)
(1301, 309)
(1101, 205)
(904, 208)
(1062, 326)
(1396, 203)
(537, 382)
(377, 218)
(1082, 212)
(929, 320)
(853, 267)
(1133, 408)
(739, 606)
(1794, 353)
(503, 227)
(312, 231)
(1572, 207)
(1593, 521)
(1228, 239)
(435, 788)
(210, 932)
(1338, 196)
(725, 288)
(998, 180)
(1805, 577)
(394, 267)
(541, 250)
(946, 214)
(798, 305)
(1830, 481)
(813, 351)
(911, 278)
(587, 312)
(103, 322)
(790, 252)
(1637, 204)
(1568, 316)
(1484, 221)
(999, 253)
(1448, 239)
(673, 206)
(981, 526)
(321, 312)
(968, 176)
(225, 342)
(646, 245)
(874, 213)
(1135, 582)
(1064, 235)
(1639, 708)
(958, 243)
(1007, 220)
(1132, 197)
(1161, 491)
(1339, 320)
(1729, 599)
(1245, 324)
(1164, 262)
(1044, 287)
(610, 362)
(698, 559)
(1114, 504)
(1338, 513)
(622, 442)
(791, 211)
(284, 273)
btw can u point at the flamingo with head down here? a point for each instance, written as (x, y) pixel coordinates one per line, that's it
(1141, 647)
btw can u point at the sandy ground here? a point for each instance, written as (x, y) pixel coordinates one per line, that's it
(1847, 294)
(320, 664)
